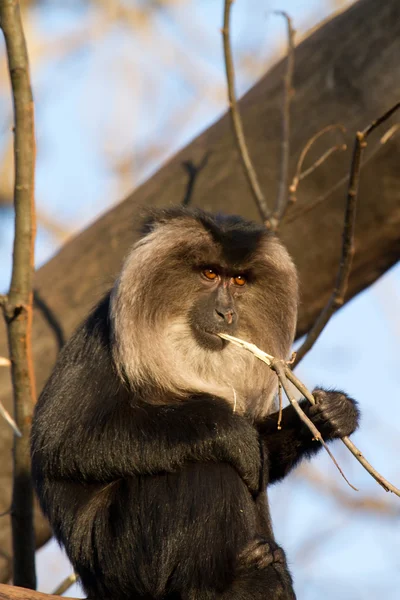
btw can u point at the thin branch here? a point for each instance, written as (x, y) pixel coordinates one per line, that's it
(282, 199)
(387, 486)
(193, 171)
(284, 372)
(300, 174)
(337, 297)
(65, 585)
(237, 121)
(387, 136)
(17, 307)
(279, 367)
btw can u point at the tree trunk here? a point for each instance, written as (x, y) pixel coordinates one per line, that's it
(347, 71)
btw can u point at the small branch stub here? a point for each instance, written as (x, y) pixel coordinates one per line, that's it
(193, 172)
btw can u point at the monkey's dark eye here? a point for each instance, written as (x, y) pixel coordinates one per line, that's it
(209, 274)
(239, 279)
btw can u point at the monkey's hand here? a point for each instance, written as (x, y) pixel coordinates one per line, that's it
(335, 414)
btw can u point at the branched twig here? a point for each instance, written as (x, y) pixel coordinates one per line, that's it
(388, 135)
(237, 121)
(284, 372)
(193, 171)
(300, 174)
(65, 585)
(17, 306)
(337, 297)
(281, 203)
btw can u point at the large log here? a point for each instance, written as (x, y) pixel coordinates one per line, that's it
(9, 592)
(347, 71)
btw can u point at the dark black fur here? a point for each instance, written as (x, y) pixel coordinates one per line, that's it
(164, 501)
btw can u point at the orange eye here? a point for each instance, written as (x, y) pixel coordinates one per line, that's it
(239, 280)
(209, 274)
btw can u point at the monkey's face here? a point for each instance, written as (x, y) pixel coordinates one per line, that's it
(216, 309)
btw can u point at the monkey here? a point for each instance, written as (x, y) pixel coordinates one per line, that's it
(154, 440)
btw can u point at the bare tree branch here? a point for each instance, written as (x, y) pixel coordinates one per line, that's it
(237, 121)
(17, 306)
(337, 297)
(300, 174)
(282, 199)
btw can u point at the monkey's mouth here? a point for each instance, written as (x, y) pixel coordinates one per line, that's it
(209, 340)
(216, 338)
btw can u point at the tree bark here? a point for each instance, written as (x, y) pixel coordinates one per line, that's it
(347, 71)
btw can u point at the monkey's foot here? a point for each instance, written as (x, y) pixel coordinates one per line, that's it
(260, 554)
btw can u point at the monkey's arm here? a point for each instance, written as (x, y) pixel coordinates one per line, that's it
(334, 414)
(89, 427)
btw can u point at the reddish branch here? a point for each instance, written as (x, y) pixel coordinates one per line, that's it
(17, 305)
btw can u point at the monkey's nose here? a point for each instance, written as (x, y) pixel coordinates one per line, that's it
(227, 315)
